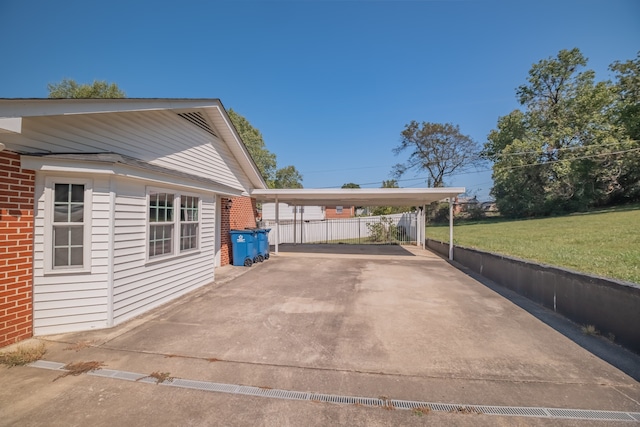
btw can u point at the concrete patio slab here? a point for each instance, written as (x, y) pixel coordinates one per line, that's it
(357, 321)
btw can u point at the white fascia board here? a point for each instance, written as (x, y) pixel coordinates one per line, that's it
(58, 107)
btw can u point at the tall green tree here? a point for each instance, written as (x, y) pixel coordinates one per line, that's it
(627, 87)
(265, 160)
(68, 88)
(565, 151)
(350, 185)
(627, 108)
(288, 177)
(439, 149)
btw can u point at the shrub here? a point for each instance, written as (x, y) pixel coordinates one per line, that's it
(383, 231)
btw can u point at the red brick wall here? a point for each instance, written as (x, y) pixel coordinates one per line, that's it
(16, 249)
(242, 214)
(330, 212)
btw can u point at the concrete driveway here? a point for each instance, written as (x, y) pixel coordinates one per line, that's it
(379, 322)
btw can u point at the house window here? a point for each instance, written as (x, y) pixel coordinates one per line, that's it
(67, 223)
(161, 224)
(188, 222)
(174, 223)
(339, 210)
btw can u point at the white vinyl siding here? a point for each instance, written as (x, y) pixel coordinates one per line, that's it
(140, 285)
(76, 300)
(82, 301)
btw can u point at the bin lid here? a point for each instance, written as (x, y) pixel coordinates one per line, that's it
(242, 231)
(258, 230)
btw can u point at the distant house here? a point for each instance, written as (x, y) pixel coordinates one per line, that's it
(110, 208)
(337, 212)
(464, 204)
(489, 206)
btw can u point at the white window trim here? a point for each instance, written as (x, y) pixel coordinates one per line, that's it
(176, 253)
(48, 225)
(180, 222)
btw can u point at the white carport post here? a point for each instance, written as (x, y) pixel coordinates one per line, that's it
(295, 224)
(277, 224)
(418, 226)
(302, 225)
(423, 228)
(451, 228)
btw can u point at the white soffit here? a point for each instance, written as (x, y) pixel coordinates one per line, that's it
(10, 124)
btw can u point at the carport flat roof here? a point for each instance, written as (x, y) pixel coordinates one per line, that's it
(357, 196)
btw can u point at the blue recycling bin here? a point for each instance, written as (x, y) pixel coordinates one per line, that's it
(263, 242)
(244, 247)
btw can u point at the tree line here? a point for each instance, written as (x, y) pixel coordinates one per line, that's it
(573, 144)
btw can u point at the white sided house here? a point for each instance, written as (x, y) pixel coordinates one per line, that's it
(127, 201)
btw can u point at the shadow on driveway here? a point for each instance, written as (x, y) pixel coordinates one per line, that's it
(336, 249)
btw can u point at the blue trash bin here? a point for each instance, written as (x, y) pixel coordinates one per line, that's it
(244, 247)
(263, 242)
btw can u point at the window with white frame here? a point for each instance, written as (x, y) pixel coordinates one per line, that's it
(161, 224)
(165, 237)
(189, 222)
(339, 210)
(67, 222)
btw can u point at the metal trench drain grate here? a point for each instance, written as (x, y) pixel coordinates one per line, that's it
(514, 411)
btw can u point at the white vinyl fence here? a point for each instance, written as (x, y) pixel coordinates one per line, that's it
(387, 229)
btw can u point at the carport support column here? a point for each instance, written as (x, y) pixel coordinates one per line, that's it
(302, 225)
(277, 224)
(451, 228)
(295, 224)
(423, 227)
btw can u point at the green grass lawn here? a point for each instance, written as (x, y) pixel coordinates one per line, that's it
(605, 243)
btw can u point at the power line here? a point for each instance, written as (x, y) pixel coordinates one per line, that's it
(566, 160)
(577, 147)
(501, 168)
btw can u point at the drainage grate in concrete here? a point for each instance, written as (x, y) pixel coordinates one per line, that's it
(513, 411)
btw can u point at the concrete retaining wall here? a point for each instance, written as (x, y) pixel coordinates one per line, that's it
(612, 306)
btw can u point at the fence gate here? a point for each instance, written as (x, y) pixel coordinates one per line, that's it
(378, 230)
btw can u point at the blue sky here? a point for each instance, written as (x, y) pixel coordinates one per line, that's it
(329, 83)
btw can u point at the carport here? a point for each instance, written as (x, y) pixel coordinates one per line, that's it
(419, 197)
